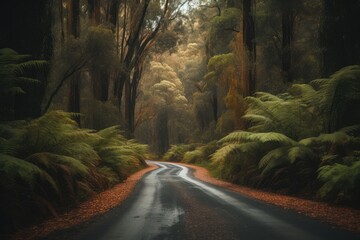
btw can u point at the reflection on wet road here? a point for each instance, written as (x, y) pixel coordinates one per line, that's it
(168, 203)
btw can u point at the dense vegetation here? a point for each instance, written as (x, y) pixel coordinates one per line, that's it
(228, 84)
(49, 165)
(286, 147)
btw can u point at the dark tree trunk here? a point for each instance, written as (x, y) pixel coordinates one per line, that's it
(26, 27)
(249, 42)
(94, 11)
(162, 131)
(73, 29)
(287, 19)
(113, 13)
(73, 18)
(340, 35)
(74, 96)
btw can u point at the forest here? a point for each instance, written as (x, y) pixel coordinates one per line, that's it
(264, 94)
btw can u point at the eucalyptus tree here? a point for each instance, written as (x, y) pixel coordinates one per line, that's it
(140, 23)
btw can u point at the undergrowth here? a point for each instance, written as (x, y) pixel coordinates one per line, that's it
(49, 165)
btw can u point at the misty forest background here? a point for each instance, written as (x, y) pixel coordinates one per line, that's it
(264, 93)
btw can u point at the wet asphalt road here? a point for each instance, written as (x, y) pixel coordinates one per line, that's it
(168, 203)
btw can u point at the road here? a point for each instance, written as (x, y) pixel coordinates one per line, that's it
(169, 203)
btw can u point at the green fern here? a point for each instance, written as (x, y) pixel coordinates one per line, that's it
(340, 182)
(287, 156)
(242, 136)
(201, 154)
(289, 116)
(340, 94)
(176, 152)
(13, 169)
(13, 67)
(234, 160)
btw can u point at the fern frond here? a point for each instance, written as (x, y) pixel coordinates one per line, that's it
(277, 155)
(265, 97)
(241, 136)
(74, 166)
(287, 156)
(338, 138)
(13, 169)
(353, 130)
(340, 182)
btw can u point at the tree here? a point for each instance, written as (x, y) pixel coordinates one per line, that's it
(73, 30)
(168, 109)
(249, 41)
(26, 27)
(142, 22)
(339, 35)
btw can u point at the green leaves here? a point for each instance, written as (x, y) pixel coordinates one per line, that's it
(52, 160)
(340, 182)
(13, 71)
(242, 136)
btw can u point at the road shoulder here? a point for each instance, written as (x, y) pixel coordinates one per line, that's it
(343, 217)
(87, 210)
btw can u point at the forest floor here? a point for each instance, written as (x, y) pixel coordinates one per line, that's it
(343, 217)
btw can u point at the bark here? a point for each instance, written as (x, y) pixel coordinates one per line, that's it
(287, 19)
(94, 11)
(340, 35)
(132, 55)
(73, 29)
(162, 131)
(249, 42)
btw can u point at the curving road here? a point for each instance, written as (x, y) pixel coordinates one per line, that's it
(168, 203)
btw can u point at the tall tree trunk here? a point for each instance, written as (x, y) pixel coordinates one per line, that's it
(162, 130)
(26, 27)
(94, 11)
(73, 29)
(287, 19)
(340, 35)
(249, 42)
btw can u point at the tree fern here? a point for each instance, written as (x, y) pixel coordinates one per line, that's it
(13, 67)
(268, 113)
(233, 160)
(13, 169)
(242, 136)
(286, 156)
(339, 95)
(335, 142)
(340, 182)
(201, 154)
(176, 152)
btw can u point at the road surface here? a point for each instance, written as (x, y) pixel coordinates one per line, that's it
(169, 203)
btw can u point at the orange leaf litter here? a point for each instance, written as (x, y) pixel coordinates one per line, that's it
(343, 217)
(96, 205)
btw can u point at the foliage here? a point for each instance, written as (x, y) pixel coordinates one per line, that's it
(283, 114)
(16, 73)
(340, 182)
(176, 152)
(237, 160)
(339, 95)
(288, 167)
(50, 164)
(201, 154)
(221, 30)
(13, 67)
